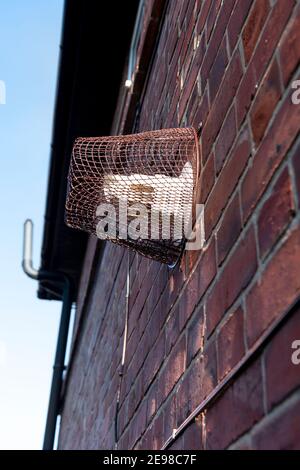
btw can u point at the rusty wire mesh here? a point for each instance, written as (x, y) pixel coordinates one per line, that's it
(157, 169)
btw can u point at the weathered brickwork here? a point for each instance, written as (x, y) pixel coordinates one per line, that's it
(229, 65)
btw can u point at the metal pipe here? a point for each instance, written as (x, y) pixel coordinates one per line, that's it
(58, 368)
(59, 362)
(27, 251)
(134, 44)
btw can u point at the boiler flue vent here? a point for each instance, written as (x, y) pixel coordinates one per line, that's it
(136, 190)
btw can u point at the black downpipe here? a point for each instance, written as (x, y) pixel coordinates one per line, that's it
(59, 362)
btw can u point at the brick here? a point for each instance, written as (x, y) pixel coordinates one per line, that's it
(281, 431)
(278, 363)
(231, 347)
(139, 424)
(266, 100)
(201, 113)
(215, 40)
(206, 268)
(254, 26)
(207, 178)
(195, 335)
(131, 345)
(225, 139)
(229, 229)
(290, 47)
(193, 102)
(169, 416)
(154, 360)
(190, 79)
(157, 318)
(131, 403)
(141, 352)
(205, 6)
(183, 395)
(217, 71)
(236, 411)
(202, 377)
(176, 280)
(183, 14)
(158, 432)
(146, 441)
(275, 214)
(189, 84)
(189, 299)
(271, 35)
(139, 390)
(245, 94)
(296, 165)
(151, 402)
(185, 56)
(221, 104)
(236, 275)
(236, 21)
(174, 368)
(211, 19)
(276, 290)
(178, 444)
(227, 181)
(197, 383)
(172, 329)
(172, 120)
(276, 144)
(193, 436)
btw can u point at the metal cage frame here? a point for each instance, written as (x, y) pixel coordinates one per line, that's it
(158, 169)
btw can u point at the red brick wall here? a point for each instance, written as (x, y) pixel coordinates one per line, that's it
(230, 65)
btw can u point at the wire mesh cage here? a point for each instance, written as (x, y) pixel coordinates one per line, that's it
(136, 190)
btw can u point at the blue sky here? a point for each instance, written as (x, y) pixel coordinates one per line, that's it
(29, 36)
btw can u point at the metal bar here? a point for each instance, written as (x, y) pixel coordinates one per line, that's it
(134, 43)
